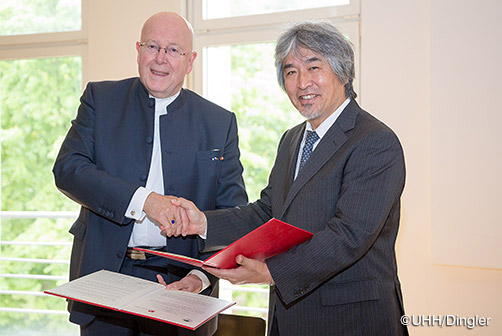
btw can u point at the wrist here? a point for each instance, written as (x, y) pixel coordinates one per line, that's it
(199, 278)
(203, 229)
(148, 202)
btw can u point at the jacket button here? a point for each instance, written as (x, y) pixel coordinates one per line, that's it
(149, 140)
(143, 177)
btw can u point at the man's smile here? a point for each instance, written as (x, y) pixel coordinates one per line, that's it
(159, 73)
(307, 97)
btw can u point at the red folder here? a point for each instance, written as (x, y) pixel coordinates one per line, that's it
(270, 239)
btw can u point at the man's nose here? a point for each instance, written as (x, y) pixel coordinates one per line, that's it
(304, 81)
(161, 56)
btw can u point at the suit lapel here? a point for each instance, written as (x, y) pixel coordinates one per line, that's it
(293, 153)
(285, 162)
(329, 145)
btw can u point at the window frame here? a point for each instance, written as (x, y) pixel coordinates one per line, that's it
(261, 28)
(196, 13)
(58, 44)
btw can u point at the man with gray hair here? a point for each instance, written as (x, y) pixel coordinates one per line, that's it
(340, 175)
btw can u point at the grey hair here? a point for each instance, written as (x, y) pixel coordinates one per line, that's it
(324, 39)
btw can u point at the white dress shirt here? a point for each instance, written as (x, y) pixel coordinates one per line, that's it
(320, 130)
(146, 231)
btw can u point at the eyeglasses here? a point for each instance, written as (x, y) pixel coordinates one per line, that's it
(171, 51)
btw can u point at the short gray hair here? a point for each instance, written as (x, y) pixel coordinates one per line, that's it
(324, 39)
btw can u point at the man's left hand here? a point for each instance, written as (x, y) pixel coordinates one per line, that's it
(190, 283)
(249, 271)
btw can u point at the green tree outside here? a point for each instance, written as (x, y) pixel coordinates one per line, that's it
(38, 98)
(263, 111)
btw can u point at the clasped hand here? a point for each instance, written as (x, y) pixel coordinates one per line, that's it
(176, 216)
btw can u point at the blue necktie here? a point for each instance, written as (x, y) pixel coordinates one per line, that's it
(312, 137)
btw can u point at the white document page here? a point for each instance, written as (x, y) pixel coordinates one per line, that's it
(142, 297)
(178, 307)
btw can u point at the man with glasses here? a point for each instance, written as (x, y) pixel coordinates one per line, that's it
(134, 145)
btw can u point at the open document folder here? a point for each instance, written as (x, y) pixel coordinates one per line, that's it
(270, 239)
(141, 297)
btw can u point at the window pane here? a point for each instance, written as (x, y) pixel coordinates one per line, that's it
(33, 17)
(215, 9)
(242, 78)
(35, 258)
(38, 98)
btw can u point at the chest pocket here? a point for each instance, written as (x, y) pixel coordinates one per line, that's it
(192, 168)
(349, 292)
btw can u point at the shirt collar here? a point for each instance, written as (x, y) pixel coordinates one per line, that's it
(326, 124)
(162, 103)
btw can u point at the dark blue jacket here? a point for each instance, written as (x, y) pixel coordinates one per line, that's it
(106, 156)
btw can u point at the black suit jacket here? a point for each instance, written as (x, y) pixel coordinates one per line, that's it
(344, 280)
(106, 156)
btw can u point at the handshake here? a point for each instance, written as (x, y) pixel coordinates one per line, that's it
(176, 216)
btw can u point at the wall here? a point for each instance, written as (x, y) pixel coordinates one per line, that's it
(408, 48)
(113, 30)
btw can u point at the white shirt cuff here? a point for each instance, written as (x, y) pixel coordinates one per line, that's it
(205, 281)
(135, 208)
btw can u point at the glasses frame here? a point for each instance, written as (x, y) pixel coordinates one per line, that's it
(147, 43)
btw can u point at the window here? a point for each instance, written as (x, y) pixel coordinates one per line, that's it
(41, 48)
(235, 69)
(36, 17)
(214, 9)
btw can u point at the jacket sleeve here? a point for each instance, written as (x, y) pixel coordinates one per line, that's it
(225, 226)
(76, 172)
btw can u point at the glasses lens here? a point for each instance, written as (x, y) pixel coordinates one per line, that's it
(173, 51)
(151, 48)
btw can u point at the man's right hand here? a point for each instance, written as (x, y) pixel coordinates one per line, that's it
(193, 221)
(161, 209)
